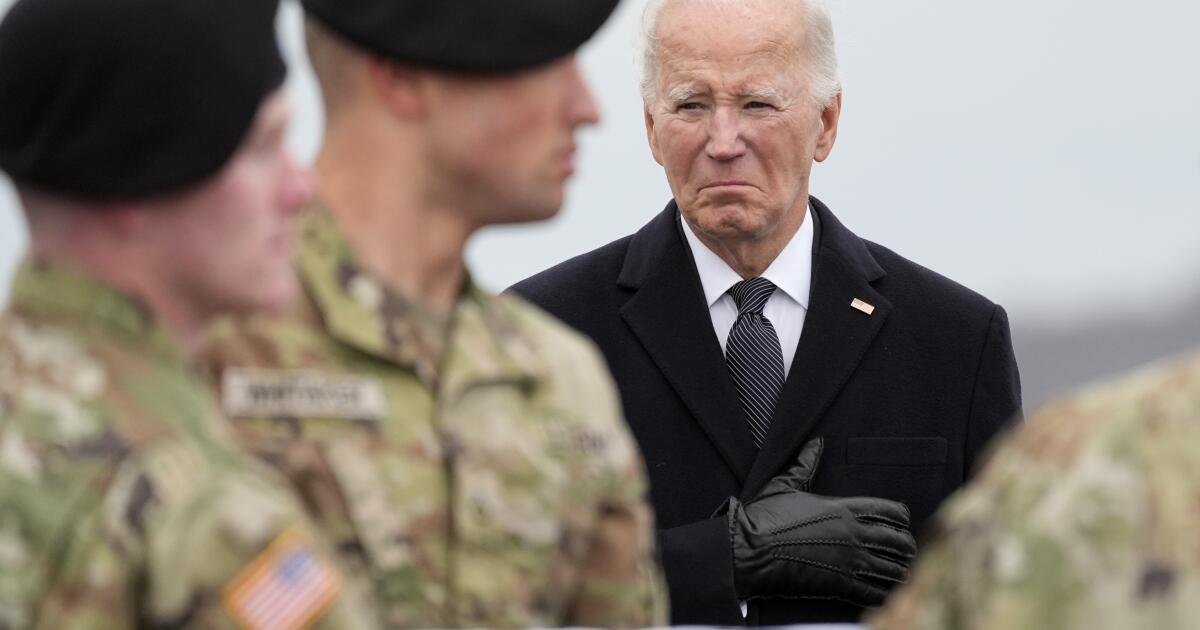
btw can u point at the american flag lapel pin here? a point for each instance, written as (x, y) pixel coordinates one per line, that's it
(860, 305)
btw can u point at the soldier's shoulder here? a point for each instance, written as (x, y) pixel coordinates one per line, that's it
(50, 436)
(177, 501)
(55, 390)
(1168, 388)
(1157, 402)
(93, 393)
(40, 352)
(1130, 437)
(67, 431)
(98, 452)
(576, 381)
(75, 408)
(554, 341)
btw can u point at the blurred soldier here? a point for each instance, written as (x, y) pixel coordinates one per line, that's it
(466, 451)
(145, 139)
(1087, 518)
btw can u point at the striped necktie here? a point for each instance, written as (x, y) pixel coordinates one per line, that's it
(754, 357)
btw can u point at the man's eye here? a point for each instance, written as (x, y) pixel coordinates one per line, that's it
(691, 106)
(758, 105)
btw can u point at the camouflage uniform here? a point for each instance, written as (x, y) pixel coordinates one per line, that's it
(1087, 519)
(121, 505)
(476, 466)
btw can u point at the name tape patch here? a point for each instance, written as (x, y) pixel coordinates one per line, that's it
(254, 393)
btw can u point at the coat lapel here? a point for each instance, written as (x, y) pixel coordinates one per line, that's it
(670, 319)
(836, 337)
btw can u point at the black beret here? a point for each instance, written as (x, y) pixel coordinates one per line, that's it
(471, 36)
(107, 99)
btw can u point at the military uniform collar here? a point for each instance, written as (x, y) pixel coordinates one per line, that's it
(44, 290)
(362, 311)
(488, 345)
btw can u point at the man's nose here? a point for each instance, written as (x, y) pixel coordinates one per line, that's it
(581, 105)
(725, 136)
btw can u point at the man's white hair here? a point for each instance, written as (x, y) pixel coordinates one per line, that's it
(822, 63)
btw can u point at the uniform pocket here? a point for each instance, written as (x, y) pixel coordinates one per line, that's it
(890, 451)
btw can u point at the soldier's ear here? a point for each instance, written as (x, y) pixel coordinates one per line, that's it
(398, 87)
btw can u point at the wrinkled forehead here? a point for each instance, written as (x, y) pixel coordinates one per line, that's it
(736, 47)
(755, 37)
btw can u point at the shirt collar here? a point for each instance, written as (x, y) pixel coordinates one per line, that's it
(791, 271)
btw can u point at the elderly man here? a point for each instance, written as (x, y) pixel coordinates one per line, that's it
(466, 452)
(745, 324)
(1084, 520)
(123, 502)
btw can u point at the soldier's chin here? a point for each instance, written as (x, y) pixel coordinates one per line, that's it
(534, 209)
(527, 215)
(273, 295)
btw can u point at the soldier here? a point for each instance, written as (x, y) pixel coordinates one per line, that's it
(145, 139)
(1086, 519)
(465, 451)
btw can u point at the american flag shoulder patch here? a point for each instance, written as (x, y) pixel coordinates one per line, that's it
(287, 587)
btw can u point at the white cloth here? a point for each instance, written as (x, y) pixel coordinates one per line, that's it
(791, 273)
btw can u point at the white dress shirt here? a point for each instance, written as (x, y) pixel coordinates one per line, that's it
(790, 272)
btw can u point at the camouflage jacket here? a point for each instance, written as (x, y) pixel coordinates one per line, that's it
(1087, 519)
(123, 503)
(476, 467)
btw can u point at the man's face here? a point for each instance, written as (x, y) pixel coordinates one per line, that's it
(231, 239)
(504, 146)
(732, 122)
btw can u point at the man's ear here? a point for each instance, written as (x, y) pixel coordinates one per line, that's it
(650, 133)
(397, 86)
(829, 128)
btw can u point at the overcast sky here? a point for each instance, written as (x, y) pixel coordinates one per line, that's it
(1043, 152)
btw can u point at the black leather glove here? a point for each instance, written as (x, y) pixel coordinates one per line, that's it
(790, 543)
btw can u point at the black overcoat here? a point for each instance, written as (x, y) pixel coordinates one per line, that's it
(905, 397)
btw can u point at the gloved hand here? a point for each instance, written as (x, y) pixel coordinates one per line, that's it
(790, 543)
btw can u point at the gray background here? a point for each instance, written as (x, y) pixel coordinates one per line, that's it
(1045, 153)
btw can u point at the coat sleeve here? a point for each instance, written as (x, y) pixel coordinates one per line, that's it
(996, 401)
(698, 561)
